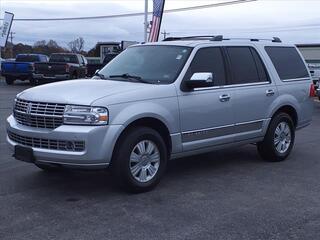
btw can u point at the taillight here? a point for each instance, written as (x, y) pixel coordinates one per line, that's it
(312, 91)
(31, 66)
(67, 67)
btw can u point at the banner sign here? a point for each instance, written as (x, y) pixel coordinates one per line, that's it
(5, 28)
(158, 7)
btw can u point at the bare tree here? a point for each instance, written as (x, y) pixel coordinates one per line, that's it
(76, 45)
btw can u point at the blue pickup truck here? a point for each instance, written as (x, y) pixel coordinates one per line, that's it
(22, 68)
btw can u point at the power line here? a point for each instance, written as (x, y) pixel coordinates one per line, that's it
(137, 14)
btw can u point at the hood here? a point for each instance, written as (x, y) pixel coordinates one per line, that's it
(87, 91)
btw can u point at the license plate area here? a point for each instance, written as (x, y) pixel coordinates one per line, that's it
(24, 154)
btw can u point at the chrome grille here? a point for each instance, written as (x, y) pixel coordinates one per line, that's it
(63, 145)
(38, 114)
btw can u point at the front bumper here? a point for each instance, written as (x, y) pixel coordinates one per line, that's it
(99, 143)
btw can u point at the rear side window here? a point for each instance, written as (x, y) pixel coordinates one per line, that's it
(64, 58)
(287, 62)
(246, 65)
(209, 60)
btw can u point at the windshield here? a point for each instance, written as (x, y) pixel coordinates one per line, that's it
(152, 64)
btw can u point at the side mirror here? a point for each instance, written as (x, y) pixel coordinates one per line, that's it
(96, 72)
(200, 80)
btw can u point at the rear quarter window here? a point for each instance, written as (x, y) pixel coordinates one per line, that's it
(287, 62)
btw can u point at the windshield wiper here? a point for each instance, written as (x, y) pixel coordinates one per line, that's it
(100, 75)
(128, 76)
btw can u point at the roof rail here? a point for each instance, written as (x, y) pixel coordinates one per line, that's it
(201, 37)
(219, 38)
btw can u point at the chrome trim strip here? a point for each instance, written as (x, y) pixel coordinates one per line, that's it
(296, 79)
(206, 129)
(207, 133)
(247, 84)
(233, 86)
(38, 115)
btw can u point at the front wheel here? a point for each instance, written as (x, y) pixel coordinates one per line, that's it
(279, 139)
(140, 160)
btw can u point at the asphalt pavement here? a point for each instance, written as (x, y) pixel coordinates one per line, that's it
(228, 194)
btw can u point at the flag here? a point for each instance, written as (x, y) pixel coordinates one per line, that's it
(158, 6)
(5, 29)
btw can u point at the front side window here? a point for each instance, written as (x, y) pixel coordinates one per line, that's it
(246, 65)
(209, 59)
(287, 62)
(152, 64)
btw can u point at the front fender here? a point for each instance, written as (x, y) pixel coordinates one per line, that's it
(163, 109)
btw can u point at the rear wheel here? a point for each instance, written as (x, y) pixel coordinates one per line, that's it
(279, 139)
(74, 76)
(9, 80)
(140, 160)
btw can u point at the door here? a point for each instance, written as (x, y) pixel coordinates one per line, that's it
(206, 115)
(254, 92)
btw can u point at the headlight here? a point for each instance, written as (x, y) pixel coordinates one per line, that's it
(81, 115)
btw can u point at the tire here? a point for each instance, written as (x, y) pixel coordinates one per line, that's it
(9, 80)
(135, 170)
(33, 82)
(74, 76)
(279, 139)
(47, 167)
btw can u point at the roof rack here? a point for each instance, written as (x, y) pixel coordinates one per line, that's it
(201, 37)
(219, 38)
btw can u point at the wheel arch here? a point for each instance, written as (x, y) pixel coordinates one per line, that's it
(151, 122)
(290, 110)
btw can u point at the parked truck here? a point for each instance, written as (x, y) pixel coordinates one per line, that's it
(22, 68)
(61, 66)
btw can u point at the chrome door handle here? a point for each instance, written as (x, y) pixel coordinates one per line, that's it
(270, 92)
(224, 97)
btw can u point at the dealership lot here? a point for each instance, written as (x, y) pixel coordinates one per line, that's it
(229, 194)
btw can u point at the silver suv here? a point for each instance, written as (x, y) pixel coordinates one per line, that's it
(166, 100)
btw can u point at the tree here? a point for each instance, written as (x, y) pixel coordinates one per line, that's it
(47, 47)
(77, 45)
(40, 43)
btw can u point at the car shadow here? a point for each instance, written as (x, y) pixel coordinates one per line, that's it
(99, 182)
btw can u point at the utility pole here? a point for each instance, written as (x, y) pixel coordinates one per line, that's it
(11, 40)
(11, 36)
(146, 23)
(165, 33)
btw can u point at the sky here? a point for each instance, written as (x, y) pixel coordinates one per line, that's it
(293, 21)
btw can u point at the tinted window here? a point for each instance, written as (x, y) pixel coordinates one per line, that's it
(287, 62)
(155, 64)
(27, 58)
(246, 65)
(44, 58)
(209, 60)
(66, 58)
(262, 72)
